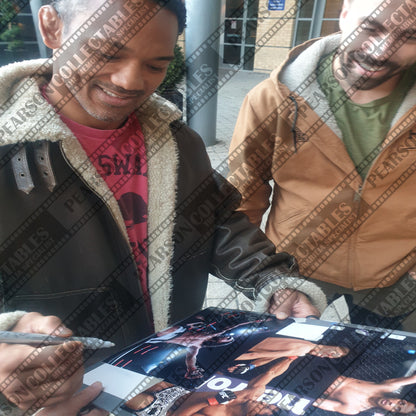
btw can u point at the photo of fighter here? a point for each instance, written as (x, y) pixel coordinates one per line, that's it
(350, 371)
(185, 341)
(272, 348)
(346, 396)
(224, 362)
(165, 399)
(350, 396)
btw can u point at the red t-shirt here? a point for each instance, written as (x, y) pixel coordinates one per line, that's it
(122, 163)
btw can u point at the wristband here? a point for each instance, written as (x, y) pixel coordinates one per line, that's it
(212, 401)
(223, 397)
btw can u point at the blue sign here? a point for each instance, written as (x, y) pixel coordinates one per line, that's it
(277, 4)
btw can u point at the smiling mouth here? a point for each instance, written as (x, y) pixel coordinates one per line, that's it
(110, 93)
(119, 96)
(371, 68)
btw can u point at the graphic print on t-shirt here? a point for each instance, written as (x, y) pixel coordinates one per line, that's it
(133, 208)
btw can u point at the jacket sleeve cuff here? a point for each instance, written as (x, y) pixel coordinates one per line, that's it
(312, 291)
(9, 319)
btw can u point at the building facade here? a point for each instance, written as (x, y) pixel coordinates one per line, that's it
(258, 34)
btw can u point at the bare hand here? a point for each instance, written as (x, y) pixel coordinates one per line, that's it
(289, 302)
(72, 406)
(37, 377)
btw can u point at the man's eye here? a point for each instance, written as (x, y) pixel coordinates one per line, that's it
(369, 29)
(156, 68)
(108, 57)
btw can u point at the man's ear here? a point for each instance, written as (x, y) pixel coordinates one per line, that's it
(50, 26)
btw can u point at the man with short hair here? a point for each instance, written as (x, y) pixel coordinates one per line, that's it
(272, 348)
(350, 396)
(85, 144)
(333, 130)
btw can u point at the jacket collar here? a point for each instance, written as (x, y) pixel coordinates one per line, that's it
(298, 74)
(24, 112)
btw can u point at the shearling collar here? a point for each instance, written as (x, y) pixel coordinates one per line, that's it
(26, 116)
(298, 73)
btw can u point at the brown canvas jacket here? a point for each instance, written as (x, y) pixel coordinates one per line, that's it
(288, 148)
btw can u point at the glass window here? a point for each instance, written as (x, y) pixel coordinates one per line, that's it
(306, 8)
(251, 32)
(317, 18)
(332, 9)
(240, 32)
(232, 54)
(252, 9)
(234, 8)
(249, 53)
(27, 28)
(331, 17)
(302, 33)
(233, 31)
(329, 26)
(25, 7)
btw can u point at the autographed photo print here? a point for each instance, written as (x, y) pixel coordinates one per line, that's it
(241, 363)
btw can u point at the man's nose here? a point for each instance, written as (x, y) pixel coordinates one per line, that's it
(129, 76)
(381, 47)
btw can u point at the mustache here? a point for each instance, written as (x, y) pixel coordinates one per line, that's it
(370, 61)
(121, 91)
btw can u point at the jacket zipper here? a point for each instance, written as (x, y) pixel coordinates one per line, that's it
(352, 241)
(357, 195)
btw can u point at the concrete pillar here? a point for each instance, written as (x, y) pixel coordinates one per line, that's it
(202, 42)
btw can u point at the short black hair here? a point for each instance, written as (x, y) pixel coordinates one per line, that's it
(178, 8)
(68, 8)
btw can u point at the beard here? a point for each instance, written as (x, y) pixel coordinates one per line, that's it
(377, 71)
